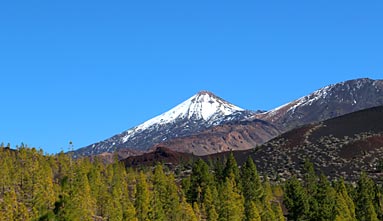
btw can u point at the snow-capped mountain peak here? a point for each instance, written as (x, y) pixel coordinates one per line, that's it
(203, 106)
(199, 112)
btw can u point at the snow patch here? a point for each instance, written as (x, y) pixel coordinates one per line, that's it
(306, 100)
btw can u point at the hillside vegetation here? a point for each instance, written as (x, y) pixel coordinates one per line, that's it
(34, 186)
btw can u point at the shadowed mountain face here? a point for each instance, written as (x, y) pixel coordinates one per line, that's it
(343, 146)
(326, 103)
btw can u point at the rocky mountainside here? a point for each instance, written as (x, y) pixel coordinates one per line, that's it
(239, 135)
(342, 146)
(202, 111)
(326, 103)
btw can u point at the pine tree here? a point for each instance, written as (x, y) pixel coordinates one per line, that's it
(325, 198)
(186, 212)
(278, 212)
(311, 181)
(172, 199)
(159, 194)
(231, 202)
(9, 205)
(267, 208)
(116, 191)
(231, 169)
(130, 212)
(253, 213)
(98, 186)
(295, 200)
(142, 198)
(251, 187)
(197, 211)
(5, 171)
(43, 196)
(199, 180)
(345, 208)
(364, 199)
(378, 202)
(80, 205)
(218, 171)
(209, 206)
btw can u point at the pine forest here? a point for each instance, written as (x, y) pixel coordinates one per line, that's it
(36, 186)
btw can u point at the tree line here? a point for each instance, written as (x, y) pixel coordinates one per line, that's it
(36, 186)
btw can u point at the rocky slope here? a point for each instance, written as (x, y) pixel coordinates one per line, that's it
(241, 135)
(343, 146)
(340, 147)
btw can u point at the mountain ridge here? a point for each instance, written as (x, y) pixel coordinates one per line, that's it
(325, 103)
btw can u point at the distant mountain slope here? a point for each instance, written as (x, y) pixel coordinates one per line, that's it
(201, 111)
(240, 135)
(343, 146)
(326, 103)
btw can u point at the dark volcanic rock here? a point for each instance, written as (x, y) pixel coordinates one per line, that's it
(159, 155)
(343, 146)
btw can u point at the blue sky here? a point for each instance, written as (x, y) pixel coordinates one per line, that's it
(86, 70)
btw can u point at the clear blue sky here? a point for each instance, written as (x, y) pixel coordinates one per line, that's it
(86, 70)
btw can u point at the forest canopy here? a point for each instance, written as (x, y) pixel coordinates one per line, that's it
(35, 186)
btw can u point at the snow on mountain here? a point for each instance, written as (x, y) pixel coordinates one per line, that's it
(320, 94)
(328, 102)
(204, 106)
(197, 113)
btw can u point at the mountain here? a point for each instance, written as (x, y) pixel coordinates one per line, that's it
(201, 111)
(342, 146)
(206, 124)
(326, 103)
(238, 135)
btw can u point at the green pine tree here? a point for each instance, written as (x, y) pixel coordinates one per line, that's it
(295, 200)
(251, 185)
(209, 205)
(142, 198)
(345, 208)
(364, 199)
(326, 199)
(231, 208)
